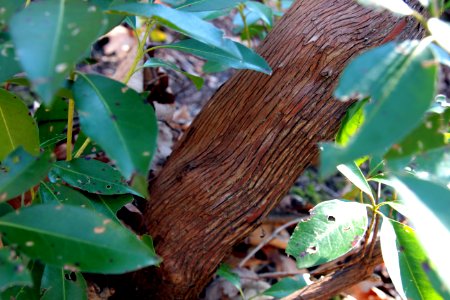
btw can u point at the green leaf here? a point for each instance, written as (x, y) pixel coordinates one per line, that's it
(249, 59)
(117, 118)
(56, 193)
(12, 271)
(385, 119)
(52, 120)
(184, 22)
(9, 64)
(334, 228)
(263, 11)
(396, 6)
(75, 238)
(429, 135)
(156, 62)
(427, 204)
(90, 175)
(406, 261)
(8, 8)
(207, 5)
(21, 171)
(227, 273)
(286, 287)
(110, 205)
(17, 128)
(353, 173)
(5, 208)
(351, 122)
(58, 284)
(50, 37)
(440, 31)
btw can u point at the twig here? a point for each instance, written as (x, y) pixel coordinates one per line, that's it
(267, 240)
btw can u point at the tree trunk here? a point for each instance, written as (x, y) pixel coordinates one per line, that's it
(254, 138)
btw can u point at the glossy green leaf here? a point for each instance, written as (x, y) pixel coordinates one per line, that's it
(12, 271)
(351, 122)
(227, 273)
(334, 228)
(406, 261)
(90, 175)
(386, 122)
(110, 205)
(440, 31)
(17, 128)
(286, 287)
(50, 37)
(52, 120)
(9, 64)
(156, 62)
(429, 135)
(21, 171)
(353, 173)
(117, 118)
(250, 60)
(56, 193)
(396, 6)
(207, 5)
(427, 204)
(59, 284)
(262, 10)
(76, 239)
(183, 22)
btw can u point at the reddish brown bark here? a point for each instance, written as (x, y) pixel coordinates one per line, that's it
(254, 138)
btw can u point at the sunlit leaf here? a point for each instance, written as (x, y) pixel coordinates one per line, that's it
(440, 31)
(227, 273)
(395, 6)
(17, 127)
(116, 117)
(406, 261)
(207, 5)
(334, 228)
(353, 173)
(386, 122)
(50, 37)
(285, 287)
(75, 238)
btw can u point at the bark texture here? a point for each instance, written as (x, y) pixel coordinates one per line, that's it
(254, 138)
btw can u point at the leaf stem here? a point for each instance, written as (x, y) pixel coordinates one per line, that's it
(244, 20)
(140, 51)
(82, 148)
(70, 129)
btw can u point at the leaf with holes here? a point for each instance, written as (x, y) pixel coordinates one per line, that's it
(56, 193)
(249, 59)
(286, 287)
(334, 228)
(109, 205)
(156, 62)
(385, 122)
(184, 22)
(52, 120)
(427, 207)
(12, 270)
(20, 171)
(17, 128)
(406, 261)
(60, 284)
(90, 175)
(50, 37)
(117, 118)
(75, 238)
